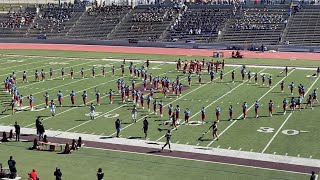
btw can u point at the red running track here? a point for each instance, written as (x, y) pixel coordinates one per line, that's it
(152, 50)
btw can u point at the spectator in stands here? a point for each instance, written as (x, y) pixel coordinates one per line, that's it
(12, 167)
(57, 173)
(17, 131)
(100, 174)
(33, 175)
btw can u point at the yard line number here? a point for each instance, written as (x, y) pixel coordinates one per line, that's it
(106, 115)
(288, 132)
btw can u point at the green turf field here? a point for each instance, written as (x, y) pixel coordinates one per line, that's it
(83, 165)
(293, 134)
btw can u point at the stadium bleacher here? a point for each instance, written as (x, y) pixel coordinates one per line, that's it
(198, 25)
(309, 20)
(98, 22)
(146, 24)
(256, 26)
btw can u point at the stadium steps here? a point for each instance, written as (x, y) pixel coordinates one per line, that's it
(109, 36)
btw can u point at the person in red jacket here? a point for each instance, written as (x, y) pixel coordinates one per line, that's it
(33, 175)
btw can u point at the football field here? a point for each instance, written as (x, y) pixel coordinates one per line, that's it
(279, 134)
(292, 134)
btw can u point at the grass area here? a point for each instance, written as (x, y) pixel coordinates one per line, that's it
(284, 131)
(278, 62)
(292, 134)
(83, 165)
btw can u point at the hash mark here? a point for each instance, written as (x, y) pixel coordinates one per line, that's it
(229, 147)
(188, 143)
(218, 147)
(286, 154)
(240, 149)
(177, 142)
(147, 139)
(101, 134)
(197, 144)
(298, 155)
(251, 150)
(310, 157)
(92, 133)
(274, 152)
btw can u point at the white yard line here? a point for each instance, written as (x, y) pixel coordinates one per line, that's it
(169, 103)
(227, 93)
(95, 118)
(274, 136)
(7, 60)
(250, 107)
(24, 64)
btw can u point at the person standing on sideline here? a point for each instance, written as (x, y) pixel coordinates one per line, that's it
(57, 174)
(168, 137)
(145, 127)
(17, 131)
(100, 174)
(313, 176)
(12, 167)
(118, 127)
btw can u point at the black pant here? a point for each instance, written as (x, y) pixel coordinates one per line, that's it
(17, 136)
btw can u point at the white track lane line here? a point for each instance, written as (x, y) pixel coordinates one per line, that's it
(250, 107)
(227, 93)
(171, 102)
(274, 136)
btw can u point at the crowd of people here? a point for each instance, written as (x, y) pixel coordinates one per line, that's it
(205, 21)
(260, 20)
(105, 10)
(18, 19)
(53, 20)
(154, 15)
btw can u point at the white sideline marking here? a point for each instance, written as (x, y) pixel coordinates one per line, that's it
(273, 137)
(159, 61)
(164, 156)
(250, 107)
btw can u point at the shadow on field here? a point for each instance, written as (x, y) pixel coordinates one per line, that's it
(82, 120)
(135, 137)
(106, 137)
